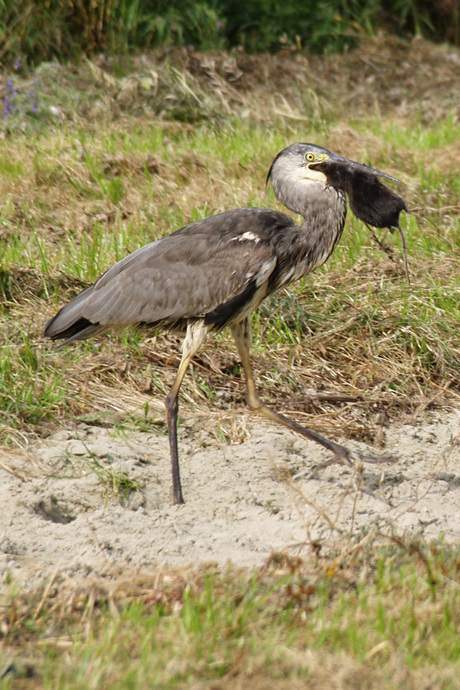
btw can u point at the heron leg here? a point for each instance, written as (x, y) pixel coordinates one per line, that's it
(243, 338)
(194, 338)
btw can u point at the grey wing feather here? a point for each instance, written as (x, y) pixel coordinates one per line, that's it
(187, 274)
(68, 315)
(159, 287)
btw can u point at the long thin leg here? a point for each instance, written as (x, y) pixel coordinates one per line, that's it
(242, 335)
(194, 338)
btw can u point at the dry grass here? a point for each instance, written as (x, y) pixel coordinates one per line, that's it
(81, 197)
(381, 613)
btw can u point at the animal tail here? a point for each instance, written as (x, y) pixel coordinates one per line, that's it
(69, 323)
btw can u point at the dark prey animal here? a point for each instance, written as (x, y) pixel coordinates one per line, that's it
(215, 272)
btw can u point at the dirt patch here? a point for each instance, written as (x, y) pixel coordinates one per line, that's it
(86, 501)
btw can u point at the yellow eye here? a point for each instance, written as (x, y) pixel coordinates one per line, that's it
(310, 157)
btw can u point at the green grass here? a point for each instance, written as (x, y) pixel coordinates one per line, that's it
(29, 391)
(374, 616)
(86, 212)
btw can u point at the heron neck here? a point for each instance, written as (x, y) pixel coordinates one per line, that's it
(314, 241)
(309, 198)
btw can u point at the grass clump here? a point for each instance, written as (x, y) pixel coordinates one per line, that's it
(377, 615)
(77, 198)
(114, 481)
(30, 393)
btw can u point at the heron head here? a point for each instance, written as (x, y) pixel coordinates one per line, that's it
(297, 163)
(370, 200)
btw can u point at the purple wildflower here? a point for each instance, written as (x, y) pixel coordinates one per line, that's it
(10, 87)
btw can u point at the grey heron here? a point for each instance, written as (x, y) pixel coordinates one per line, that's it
(215, 272)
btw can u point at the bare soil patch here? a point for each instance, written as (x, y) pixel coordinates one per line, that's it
(62, 515)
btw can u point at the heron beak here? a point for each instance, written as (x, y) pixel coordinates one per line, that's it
(360, 167)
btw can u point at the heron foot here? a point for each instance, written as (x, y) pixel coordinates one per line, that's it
(350, 458)
(341, 453)
(353, 458)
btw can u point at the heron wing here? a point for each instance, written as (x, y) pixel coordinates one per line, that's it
(191, 273)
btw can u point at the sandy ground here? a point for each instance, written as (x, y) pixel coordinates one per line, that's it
(60, 514)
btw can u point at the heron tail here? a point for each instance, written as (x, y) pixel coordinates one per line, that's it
(69, 323)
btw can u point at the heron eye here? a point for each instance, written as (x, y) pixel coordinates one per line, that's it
(310, 157)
